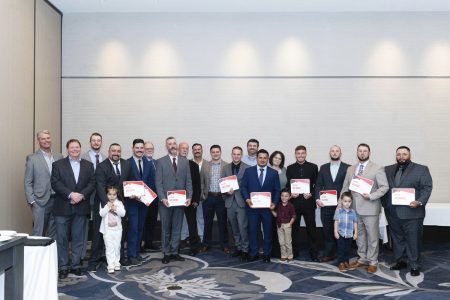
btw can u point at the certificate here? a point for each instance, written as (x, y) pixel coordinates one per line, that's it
(361, 185)
(300, 186)
(402, 196)
(176, 198)
(149, 195)
(328, 197)
(133, 188)
(228, 183)
(261, 199)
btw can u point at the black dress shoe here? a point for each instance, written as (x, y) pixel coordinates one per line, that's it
(244, 256)
(415, 272)
(92, 268)
(63, 274)
(398, 266)
(266, 259)
(253, 258)
(193, 252)
(166, 259)
(236, 253)
(77, 272)
(177, 257)
(315, 259)
(140, 258)
(134, 262)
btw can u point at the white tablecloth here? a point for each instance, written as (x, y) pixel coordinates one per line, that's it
(2, 285)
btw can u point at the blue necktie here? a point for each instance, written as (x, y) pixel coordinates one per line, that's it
(261, 176)
(361, 168)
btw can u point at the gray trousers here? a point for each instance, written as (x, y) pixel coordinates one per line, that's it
(171, 223)
(237, 217)
(70, 226)
(367, 241)
(43, 221)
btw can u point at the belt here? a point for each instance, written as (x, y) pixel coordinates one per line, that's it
(214, 194)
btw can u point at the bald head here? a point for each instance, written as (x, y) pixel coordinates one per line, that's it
(335, 153)
(183, 149)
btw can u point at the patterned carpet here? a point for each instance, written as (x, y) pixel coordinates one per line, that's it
(215, 275)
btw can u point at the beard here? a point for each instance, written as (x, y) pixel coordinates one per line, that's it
(335, 158)
(402, 163)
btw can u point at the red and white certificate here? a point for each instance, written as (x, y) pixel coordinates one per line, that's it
(328, 197)
(261, 199)
(149, 195)
(361, 185)
(403, 196)
(176, 198)
(133, 188)
(300, 186)
(228, 183)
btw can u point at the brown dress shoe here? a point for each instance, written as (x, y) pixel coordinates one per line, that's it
(342, 267)
(357, 264)
(326, 258)
(372, 269)
(227, 250)
(349, 268)
(203, 249)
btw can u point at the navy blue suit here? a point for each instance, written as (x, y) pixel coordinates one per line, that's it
(250, 183)
(136, 210)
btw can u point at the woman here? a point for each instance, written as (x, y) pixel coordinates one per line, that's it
(276, 161)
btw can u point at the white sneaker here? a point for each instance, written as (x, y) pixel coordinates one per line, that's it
(117, 268)
(110, 271)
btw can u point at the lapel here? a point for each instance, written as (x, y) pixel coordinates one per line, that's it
(406, 172)
(169, 159)
(41, 158)
(367, 169)
(341, 170)
(69, 168)
(328, 172)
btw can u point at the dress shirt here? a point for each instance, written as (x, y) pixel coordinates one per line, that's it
(235, 168)
(92, 154)
(114, 166)
(136, 160)
(249, 160)
(48, 160)
(215, 176)
(346, 219)
(359, 165)
(258, 171)
(75, 164)
(172, 157)
(334, 168)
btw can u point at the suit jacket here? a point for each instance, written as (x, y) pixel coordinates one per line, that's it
(205, 176)
(228, 171)
(415, 176)
(168, 180)
(105, 175)
(63, 183)
(250, 183)
(196, 181)
(87, 157)
(325, 181)
(376, 173)
(37, 178)
(148, 176)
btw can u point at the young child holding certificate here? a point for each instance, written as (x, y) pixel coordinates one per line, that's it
(111, 227)
(345, 230)
(284, 213)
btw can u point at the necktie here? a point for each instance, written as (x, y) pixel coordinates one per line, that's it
(140, 168)
(116, 164)
(398, 176)
(174, 164)
(361, 168)
(97, 159)
(261, 176)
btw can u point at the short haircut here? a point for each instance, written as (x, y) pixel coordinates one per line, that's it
(138, 141)
(95, 134)
(264, 151)
(273, 155)
(215, 147)
(114, 144)
(253, 141)
(286, 190)
(197, 144)
(300, 147)
(363, 145)
(170, 138)
(346, 194)
(72, 141)
(403, 147)
(237, 148)
(45, 131)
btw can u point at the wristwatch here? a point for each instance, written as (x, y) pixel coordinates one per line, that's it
(420, 203)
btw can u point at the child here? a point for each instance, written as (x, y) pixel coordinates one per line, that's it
(285, 216)
(111, 227)
(345, 229)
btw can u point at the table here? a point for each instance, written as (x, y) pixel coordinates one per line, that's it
(11, 265)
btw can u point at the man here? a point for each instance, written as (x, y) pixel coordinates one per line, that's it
(406, 222)
(38, 190)
(252, 149)
(110, 172)
(141, 170)
(94, 156)
(197, 153)
(235, 205)
(212, 200)
(190, 211)
(367, 207)
(304, 204)
(172, 173)
(73, 182)
(152, 212)
(260, 178)
(331, 177)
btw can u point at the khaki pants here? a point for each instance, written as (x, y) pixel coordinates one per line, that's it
(285, 239)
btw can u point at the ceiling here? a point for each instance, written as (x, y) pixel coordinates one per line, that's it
(91, 6)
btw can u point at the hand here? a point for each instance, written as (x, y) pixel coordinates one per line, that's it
(76, 197)
(414, 204)
(336, 235)
(165, 202)
(113, 207)
(110, 204)
(366, 196)
(319, 203)
(307, 195)
(355, 236)
(295, 195)
(272, 206)
(188, 202)
(230, 192)
(194, 204)
(249, 202)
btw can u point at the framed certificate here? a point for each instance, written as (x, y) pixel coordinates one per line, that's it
(176, 198)
(228, 183)
(300, 186)
(149, 195)
(403, 196)
(328, 197)
(133, 188)
(261, 199)
(361, 185)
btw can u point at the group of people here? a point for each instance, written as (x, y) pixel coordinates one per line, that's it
(64, 192)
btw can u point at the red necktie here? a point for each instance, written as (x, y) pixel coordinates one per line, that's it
(174, 164)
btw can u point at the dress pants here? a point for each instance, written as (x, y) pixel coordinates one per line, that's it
(70, 226)
(256, 216)
(137, 212)
(367, 241)
(171, 220)
(285, 239)
(309, 214)
(97, 246)
(190, 213)
(43, 220)
(237, 217)
(215, 205)
(326, 216)
(151, 220)
(112, 238)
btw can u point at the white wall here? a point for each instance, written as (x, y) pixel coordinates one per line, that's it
(287, 79)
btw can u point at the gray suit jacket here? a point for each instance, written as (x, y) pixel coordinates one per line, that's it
(37, 178)
(168, 180)
(227, 171)
(87, 157)
(205, 176)
(415, 176)
(362, 206)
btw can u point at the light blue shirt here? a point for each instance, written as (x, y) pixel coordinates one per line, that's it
(258, 171)
(364, 164)
(92, 154)
(334, 168)
(215, 176)
(48, 160)
(249, 160)
(75, 164)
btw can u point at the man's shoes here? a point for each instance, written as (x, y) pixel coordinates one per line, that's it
(92, 268)
(266, 259)
(203, 249)
(134, 262)
(415, 272)
(398, 266)
(193, 252)
(283, 259)
(372, 269)
(140, 258)
(177, 257)
(252, 258)
(166, 259)
(124, 262)
(237, 253)
(342, 267)
(314, 259)
(244, 256)
(77, 272)
(149, 248)
(63, 274)
(356, 264)
(326, 259)
(348, 267)
(226, 250)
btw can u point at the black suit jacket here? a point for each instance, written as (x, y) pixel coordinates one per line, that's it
(196, 182)
(105, 175)
(325, 181)
(306, 170)
(63, 183)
